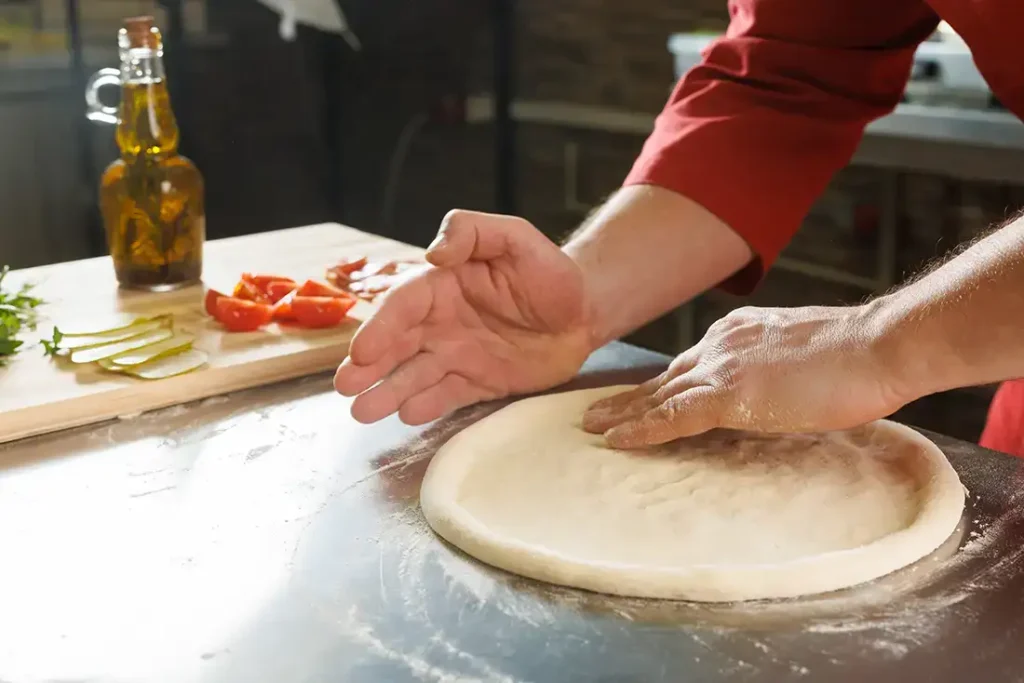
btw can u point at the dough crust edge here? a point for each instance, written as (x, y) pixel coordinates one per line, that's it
(942, 493)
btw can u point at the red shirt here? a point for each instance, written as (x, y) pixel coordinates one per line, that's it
(779, 104)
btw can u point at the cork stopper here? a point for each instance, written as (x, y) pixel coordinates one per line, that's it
(141, 32)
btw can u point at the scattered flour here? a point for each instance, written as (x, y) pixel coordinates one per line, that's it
(886, 620)
(363, 634)
(889, 618)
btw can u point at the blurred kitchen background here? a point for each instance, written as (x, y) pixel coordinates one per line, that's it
(532, 106)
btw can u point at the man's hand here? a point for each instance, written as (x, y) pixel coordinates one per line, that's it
(762, 369)
(501, 311)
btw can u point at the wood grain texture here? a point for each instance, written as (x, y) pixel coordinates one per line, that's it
(40, 395)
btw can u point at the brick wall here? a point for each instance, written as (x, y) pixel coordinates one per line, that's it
(605, 52)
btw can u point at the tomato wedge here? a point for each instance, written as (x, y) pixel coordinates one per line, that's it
(263, 280)
(320, 311)
(249, 292)
(268, 285)
(314, 288)
(283, 308)
(210, 302)
(279, 290)
(350, 266)
(239, 315)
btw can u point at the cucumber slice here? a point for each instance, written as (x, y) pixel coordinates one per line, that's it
(169, 366)
(168, 347)
(109, 350)
(115, 325)
(117, 335)
(109, 366)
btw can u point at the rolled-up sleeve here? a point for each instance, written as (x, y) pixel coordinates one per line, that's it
(778, 105)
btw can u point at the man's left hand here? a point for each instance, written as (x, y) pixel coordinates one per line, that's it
(763, 369)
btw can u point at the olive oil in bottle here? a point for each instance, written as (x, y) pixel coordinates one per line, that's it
(151, 198)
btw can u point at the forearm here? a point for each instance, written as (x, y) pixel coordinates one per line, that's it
(646, 251)
(961, 324)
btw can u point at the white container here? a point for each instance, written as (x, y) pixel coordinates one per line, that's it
(946, 60)
(687, 49)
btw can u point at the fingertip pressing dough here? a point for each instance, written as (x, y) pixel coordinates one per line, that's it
(726, 516)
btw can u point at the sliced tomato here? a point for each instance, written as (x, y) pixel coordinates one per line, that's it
(279, 290)
(249, 292)
(376, 268)
(264, 282)
(314, 288)
(283, 308)
(210, 302)
(341, 274)
(240, 315)
(261, 280)
(350, 266)
(320, 311)
(383, 268)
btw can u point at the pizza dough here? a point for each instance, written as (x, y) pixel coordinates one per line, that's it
(723, 517)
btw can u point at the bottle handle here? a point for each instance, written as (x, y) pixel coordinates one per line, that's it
(95, 109)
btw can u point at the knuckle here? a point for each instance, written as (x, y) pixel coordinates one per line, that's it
(663, 394)
(450, 219)
(457, 219)
(746, 333)
(517, 230)
(707, 404)
(724, 372)
(453, 216)
(696, 410)
(526, 226)
(733, 319)
(744, 312)
(720, 325)
(739, 330)
(679, 365)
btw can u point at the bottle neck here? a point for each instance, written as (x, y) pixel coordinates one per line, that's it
(147, 126)
(142, 65)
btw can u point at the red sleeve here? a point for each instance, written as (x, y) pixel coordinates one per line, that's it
(1004, 428)
(778, 105)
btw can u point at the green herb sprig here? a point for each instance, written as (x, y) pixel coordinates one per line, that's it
(17, 312)
(51, 346)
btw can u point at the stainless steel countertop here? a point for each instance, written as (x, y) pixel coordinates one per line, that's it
(265, 536)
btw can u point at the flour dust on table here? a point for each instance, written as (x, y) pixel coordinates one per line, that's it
(726, 516)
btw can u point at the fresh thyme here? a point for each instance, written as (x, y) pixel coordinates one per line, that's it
(17, 313)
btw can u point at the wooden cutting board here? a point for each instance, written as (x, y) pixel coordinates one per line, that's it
(40, 395)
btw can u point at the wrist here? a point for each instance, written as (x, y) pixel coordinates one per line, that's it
(904, 350)
(594, 321)
(646, 251)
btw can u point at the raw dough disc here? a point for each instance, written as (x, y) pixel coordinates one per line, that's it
(723, 517)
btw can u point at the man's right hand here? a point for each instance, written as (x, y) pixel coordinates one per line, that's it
(500, 311)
